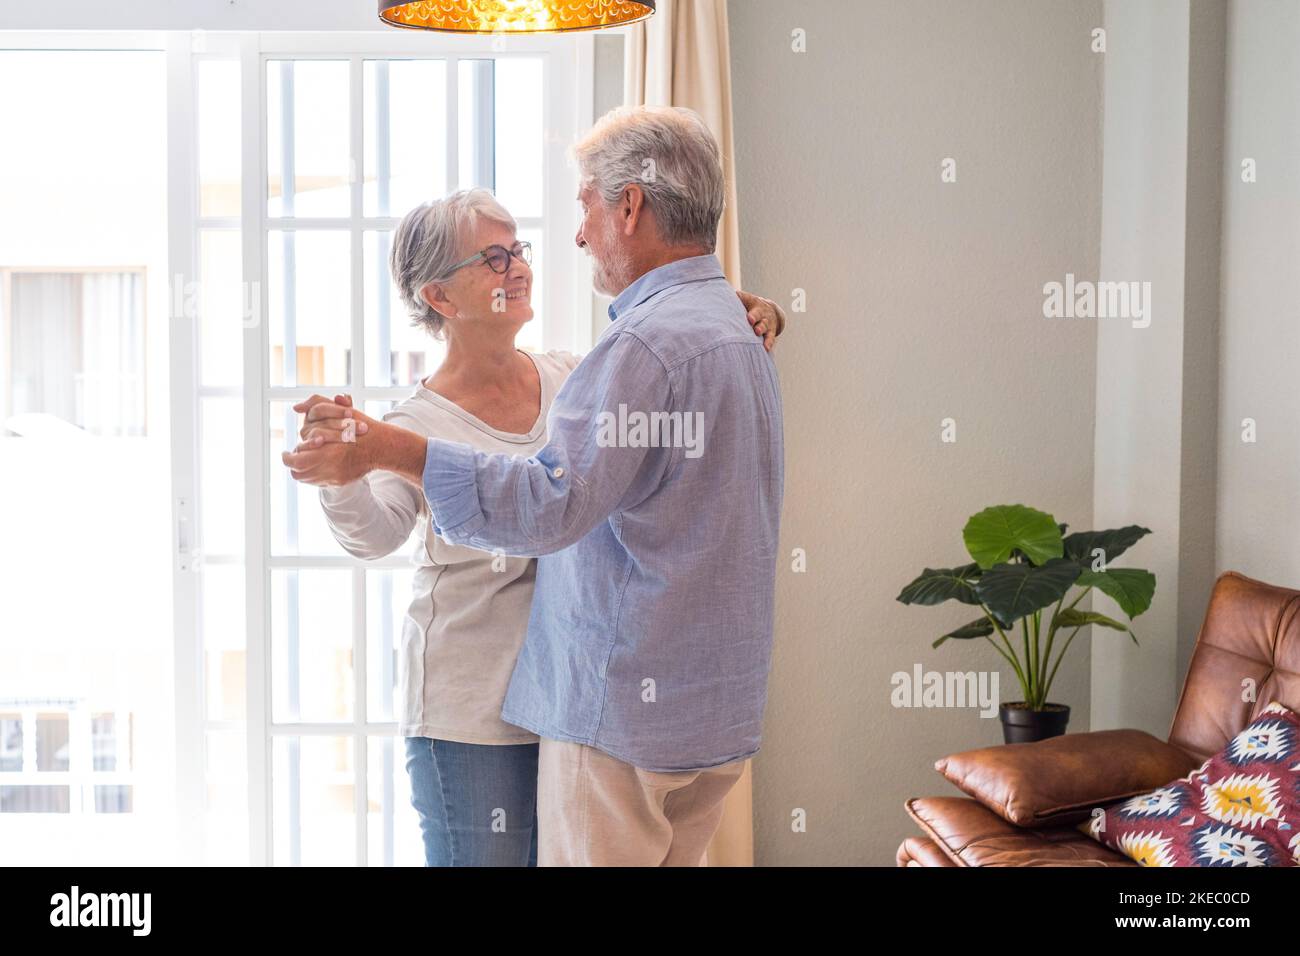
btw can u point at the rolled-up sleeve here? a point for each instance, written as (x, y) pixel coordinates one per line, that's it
(450, 480)
(546, 502)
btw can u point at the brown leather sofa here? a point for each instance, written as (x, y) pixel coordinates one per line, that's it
(1251, 630)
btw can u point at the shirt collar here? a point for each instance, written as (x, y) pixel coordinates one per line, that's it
(679, 272)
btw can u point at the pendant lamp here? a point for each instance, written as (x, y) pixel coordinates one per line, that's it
(513, 16)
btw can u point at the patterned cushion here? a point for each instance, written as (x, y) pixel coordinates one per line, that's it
(1239, 808)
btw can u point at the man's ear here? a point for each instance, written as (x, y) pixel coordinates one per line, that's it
(435, 297)
(631, 207)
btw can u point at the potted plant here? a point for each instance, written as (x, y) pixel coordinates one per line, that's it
(1024, 563)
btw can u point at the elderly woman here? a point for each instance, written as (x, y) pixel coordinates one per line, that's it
(466, 278)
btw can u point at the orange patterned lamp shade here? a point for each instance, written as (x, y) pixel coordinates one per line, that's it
(513, 16)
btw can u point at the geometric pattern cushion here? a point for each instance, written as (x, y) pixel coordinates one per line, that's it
(1239, 808)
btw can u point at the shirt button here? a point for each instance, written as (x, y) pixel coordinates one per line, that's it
(558, 472)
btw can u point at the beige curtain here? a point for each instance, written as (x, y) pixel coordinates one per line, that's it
(680, 57)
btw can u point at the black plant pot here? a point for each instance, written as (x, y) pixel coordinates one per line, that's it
(1020, 725)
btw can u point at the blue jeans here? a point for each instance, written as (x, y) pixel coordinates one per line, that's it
(477, 802)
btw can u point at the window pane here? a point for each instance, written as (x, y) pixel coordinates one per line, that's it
(311, 645)
(78, 349)
(103, 742)
(224, 629)
(35, 799)
(397, 352)
(476, 124)
(219, 131)
(405, 134)
(225, 307)
(112, 798)
(308, 160)
(226, 819)
(221, 475)
(11, 742)
(519, 139)
(310, 294)
(393, 835)
(314, 822)
(85, 168)
(52, 743)
(298, 523)
(388, 596)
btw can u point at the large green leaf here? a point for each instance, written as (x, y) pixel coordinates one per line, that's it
(995, 533)
(1073, 617)
(936, 585)
(1018, 555)
(1132, 588)
(1113, 543)
(978, 628)
(1013, 590)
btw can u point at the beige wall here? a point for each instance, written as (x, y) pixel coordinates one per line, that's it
(1259, 484)
(1154, 460)
(607, 93)
(924, 302)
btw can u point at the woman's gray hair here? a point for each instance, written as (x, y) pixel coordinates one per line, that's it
(669, 152)
(430, 239)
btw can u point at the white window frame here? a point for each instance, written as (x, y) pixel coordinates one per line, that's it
(567, 325)
(81, 778)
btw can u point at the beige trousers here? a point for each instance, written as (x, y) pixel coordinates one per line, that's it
(596, 810)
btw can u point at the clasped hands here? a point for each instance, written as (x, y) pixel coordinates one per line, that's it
(338, 442)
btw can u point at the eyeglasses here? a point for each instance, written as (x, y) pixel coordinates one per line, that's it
(498, 257)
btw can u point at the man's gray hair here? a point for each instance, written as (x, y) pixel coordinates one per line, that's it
(432, 238)
(669, 152)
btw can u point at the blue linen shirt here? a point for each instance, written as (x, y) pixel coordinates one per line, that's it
(650, 633)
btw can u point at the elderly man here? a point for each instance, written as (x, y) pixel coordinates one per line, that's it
(654, 505)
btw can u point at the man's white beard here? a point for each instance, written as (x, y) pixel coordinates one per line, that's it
(612, 274)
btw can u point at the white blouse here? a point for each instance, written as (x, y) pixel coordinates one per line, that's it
(469, 611)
